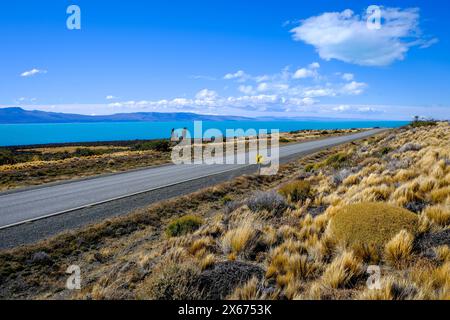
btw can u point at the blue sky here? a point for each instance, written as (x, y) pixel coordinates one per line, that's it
(283, 58)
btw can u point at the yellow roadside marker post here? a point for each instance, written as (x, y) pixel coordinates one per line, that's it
(259, 161)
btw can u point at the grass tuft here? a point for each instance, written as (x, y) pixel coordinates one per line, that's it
(439, 215)
(398, 250)
(183, 225)
(296, 191)
(343, 272)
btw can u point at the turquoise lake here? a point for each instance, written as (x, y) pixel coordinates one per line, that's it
(28, 134)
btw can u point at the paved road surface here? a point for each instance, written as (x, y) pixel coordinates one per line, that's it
(33, 204)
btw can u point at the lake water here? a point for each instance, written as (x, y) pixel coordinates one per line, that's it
(28, 134)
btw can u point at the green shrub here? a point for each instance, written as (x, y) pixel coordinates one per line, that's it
(6, 157)
(284, 140)
(385, 150)
(84, 152)
(309, 167)
(183, 225)
(371, 223)
(159, 145)
(336, 160)
(299, 190)
(419, 124)
(226, 199)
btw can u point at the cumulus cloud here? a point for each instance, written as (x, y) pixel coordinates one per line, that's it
(345, 36)
(32, 72)
(206, 94)
(238, 75)
(111, 97)
(278, 92)
(303, 73)
(354, 88)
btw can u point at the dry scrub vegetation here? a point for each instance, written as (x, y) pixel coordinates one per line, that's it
(26, 166)
(310, 232)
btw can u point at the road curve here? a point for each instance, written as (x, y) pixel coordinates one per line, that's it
(32, 204)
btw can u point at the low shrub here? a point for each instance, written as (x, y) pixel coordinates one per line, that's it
(159, 145)
(84, 152)
(410, 147)
(337, 160)
(384, 150)
(296, 191)
(6, 157)
(371, 223)
(269, 201)
(183, 225)
(171, 282)
(418, 124)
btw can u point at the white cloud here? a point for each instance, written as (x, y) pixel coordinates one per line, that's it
(303, 73)
(279, 92)
(309, 72)
(354, 88)
(262, 78)
(24, 100)
(246, 89)
(319, 92)
(345, 36)
(206, 95)
(110, 97)
(341, 108)
(238, 75)
(367, 110)
(348, 76)
(263, 87)
(202, 77)
(32, 72)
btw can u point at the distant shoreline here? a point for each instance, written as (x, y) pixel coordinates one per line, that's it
(31, 135)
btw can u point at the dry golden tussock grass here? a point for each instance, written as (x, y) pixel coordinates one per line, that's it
(343, 271)
(439, 214)
(398, 251)
(393, 288)
(235, 240)
(442, 253)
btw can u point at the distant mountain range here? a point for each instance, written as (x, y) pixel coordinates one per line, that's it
(17, 115)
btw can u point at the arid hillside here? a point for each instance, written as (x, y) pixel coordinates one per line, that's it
(366, 220)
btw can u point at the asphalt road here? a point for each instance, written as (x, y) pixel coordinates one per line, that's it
(20, 208)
